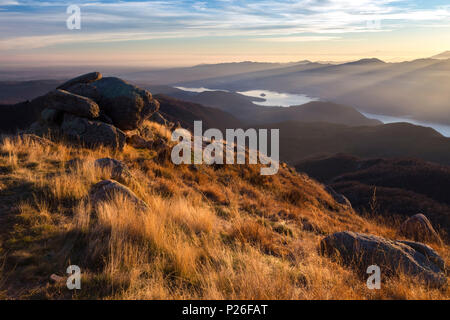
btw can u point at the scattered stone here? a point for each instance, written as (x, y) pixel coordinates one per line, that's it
(138, 142)
(92, 133)
(54, 278)
(85, 78)
(127, 105)
(36, 139)
(158, 118)
(106, 190)
(419, 228)
(393, 257)
(119, 170)
(72, 103)
(339, 198)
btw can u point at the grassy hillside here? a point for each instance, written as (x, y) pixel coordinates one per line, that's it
(209, 232)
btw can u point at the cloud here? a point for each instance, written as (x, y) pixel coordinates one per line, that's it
(40, 24)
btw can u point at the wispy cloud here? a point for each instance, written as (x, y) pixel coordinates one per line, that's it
(37, 24)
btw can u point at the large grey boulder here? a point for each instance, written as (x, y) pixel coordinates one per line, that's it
(127, 105)
(85, 78)
(119, 170)
(71, 103)
(107, 190)
(92, 133)
(419, 228)
(393, 257)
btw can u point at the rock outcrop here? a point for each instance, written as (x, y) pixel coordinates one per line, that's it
(127, 105)
(94, 110)
(85, 78)
(393, 257)
(419, 228)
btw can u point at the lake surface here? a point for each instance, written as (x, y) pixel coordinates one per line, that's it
(199, 90)
(277, 98)
(273, 98)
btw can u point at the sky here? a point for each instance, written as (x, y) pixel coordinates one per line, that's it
(188, 32)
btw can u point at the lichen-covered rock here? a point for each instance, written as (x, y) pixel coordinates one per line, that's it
(393, 257)
(127, 105)
(419, 228)
(106, 190)
(71, 103)
(92, 133)
(84, 79)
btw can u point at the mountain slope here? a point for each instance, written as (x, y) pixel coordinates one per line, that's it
(403, 186)
(302, 140)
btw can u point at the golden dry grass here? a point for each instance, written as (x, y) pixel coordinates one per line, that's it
(208, 233)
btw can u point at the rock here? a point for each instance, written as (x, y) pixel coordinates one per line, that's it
(36, 139)
(92, 133)
(339, 198)
(54, 278)
(419, 228)
(119, 170)
(85, 78)
(138, 142)
(71, 103)
(393, 257)
(127, 105)
(158, 118)
(106, 190)
(85, 90)
(52, 116)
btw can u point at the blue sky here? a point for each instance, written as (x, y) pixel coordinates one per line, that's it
(189, 32)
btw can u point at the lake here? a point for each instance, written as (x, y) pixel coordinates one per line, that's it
(278, 99)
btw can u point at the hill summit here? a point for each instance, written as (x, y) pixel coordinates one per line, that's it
(92, 184)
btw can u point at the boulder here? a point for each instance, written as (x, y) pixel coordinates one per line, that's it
(393, 257)
(71, 103)
(85, 78)
(92, 133)
(119, 170)
(339, 198)
(52, 116)
(419, 228)
(105, 191)
(85, 90)
(127, 105)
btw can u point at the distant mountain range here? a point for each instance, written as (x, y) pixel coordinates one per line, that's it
(416, 88)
